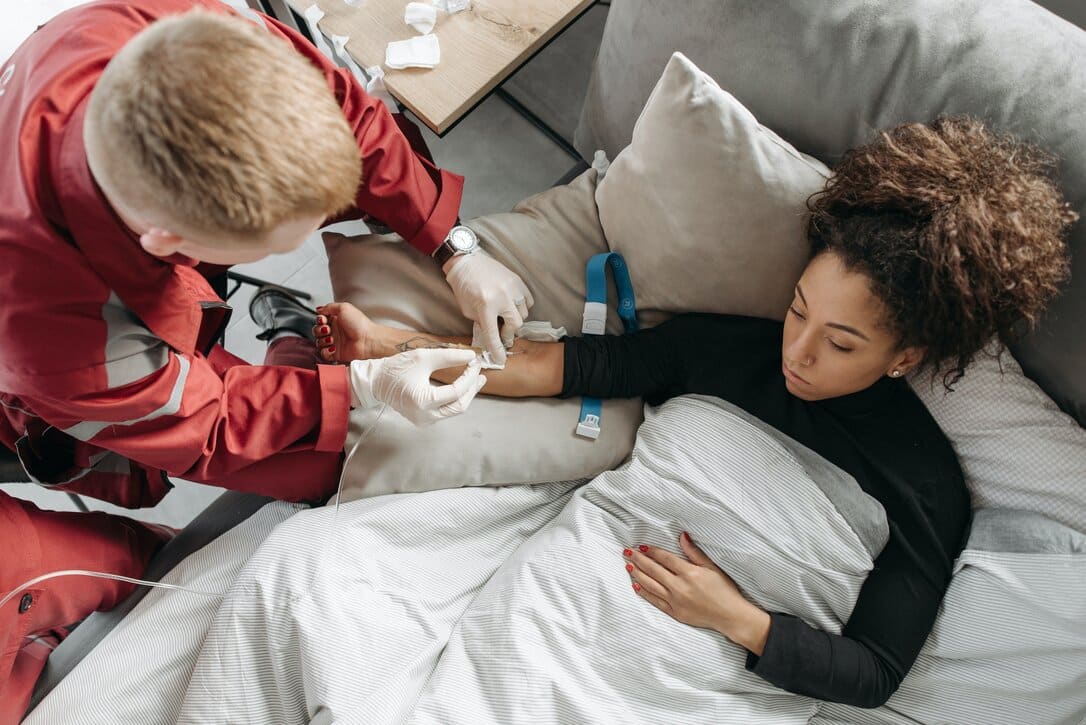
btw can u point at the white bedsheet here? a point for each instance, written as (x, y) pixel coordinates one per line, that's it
(512, 604)
(139, 671)
(350, 619)
(426, 574)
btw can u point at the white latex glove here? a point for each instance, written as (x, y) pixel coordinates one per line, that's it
(485, 289)
(403, 382)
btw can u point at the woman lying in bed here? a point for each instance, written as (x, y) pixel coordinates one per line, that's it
(925, 244)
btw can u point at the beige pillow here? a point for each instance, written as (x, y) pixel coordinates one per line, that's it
(706, 205)
(546, 239)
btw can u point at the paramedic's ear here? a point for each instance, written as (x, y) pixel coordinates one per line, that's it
(160, 243)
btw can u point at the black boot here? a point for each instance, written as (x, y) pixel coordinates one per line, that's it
(276, 311)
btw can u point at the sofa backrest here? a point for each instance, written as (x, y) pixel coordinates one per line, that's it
(826, 75)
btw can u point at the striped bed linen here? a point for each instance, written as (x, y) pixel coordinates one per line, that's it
(1009, 645)
(512, 604)
(138, 672)
(378, 614)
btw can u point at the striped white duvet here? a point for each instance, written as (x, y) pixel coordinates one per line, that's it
(512, 604)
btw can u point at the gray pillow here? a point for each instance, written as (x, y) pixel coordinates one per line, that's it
(1016, 448)
(825, 75)
(1023, 532)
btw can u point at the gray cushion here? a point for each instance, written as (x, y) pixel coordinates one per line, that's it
(1023, 532)
(1016, 448)
(824, 75)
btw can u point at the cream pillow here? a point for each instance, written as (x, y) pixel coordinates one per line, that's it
(707, 206)
(546, 239)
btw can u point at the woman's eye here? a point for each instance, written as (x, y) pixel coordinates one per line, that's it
(795, 312)
(839, 347)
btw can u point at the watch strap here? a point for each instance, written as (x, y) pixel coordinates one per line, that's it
(444, 252)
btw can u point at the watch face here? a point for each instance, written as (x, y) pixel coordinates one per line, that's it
(462, 239)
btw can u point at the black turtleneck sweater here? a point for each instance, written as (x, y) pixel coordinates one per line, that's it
(883, 436)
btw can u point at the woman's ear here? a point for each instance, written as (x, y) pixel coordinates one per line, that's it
(160, 243)
(905, 362)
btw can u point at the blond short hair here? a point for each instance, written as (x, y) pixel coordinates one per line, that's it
(218, 124)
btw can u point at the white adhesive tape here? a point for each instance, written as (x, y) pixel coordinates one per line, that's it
(313, 15)
(372, 79)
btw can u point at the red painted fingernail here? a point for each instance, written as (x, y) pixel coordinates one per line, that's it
(629, 567)
(637, 587)
(643, 549)
(332, 350)
(326, 330)
(687, 536)
(627, 552)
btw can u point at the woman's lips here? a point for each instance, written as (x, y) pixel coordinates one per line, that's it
(791, 375)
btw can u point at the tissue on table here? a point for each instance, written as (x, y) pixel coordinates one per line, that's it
(420, 16)
(421, 52)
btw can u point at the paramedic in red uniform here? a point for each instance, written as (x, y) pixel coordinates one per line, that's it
(209, 139)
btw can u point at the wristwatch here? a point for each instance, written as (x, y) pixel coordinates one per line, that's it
(460, 240)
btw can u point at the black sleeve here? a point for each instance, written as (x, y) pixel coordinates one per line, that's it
(893, 616)
(694, 353)
(647, 363)
(864, 665)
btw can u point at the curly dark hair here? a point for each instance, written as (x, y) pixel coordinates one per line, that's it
(960, 230)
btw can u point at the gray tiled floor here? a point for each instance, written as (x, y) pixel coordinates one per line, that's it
(504, 159)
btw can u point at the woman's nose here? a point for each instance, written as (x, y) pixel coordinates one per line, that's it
(800, 351)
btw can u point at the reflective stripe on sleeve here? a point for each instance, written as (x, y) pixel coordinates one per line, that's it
(89, 428)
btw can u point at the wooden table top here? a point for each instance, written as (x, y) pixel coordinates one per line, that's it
(480, 47)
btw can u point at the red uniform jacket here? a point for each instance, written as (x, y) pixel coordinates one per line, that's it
(108, 378)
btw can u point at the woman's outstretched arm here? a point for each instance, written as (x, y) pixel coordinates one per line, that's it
(345, 333)
(692, 353)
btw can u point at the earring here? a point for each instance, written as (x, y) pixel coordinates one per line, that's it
(895, 374)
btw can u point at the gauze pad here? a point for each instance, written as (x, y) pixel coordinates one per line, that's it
(540, 331)
(421, 52)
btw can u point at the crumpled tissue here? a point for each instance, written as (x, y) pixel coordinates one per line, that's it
(420, 16)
